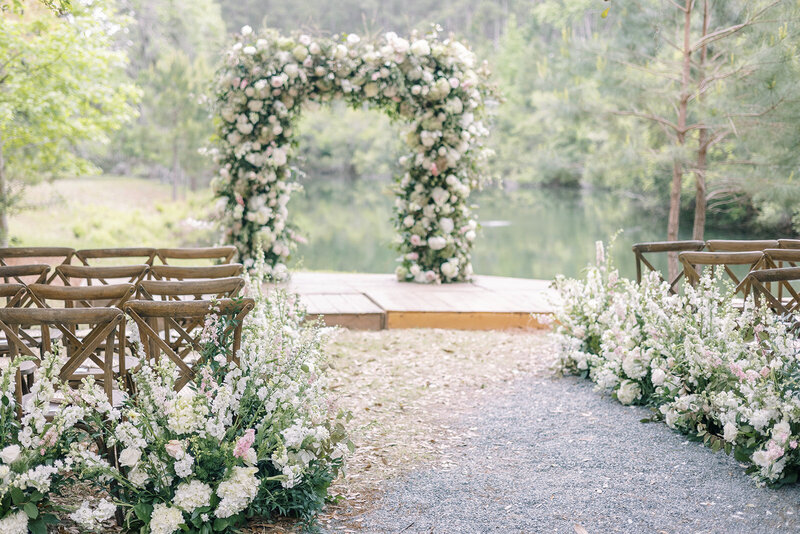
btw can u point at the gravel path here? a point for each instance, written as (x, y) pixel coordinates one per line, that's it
(552, 455)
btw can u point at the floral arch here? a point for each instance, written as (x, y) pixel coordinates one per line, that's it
(432, 84)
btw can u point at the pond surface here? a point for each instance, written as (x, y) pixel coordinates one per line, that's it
(528, 233)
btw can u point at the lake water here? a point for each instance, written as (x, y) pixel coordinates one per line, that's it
(530, 234)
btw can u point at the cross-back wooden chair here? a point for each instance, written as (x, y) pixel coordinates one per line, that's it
(116, 256)
(222, 254)
(27, 274)
(184, 347)
(694, 262)
(14, 295)
(740, 245)
(107, 325)
(774, 258)
(93, 275)
(112, 296)
(760, 280)
(656, 247)
(30, 255)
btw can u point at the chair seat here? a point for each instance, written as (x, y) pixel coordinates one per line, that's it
(117, 396)
(91, 368)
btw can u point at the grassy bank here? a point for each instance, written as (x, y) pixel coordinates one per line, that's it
(110, 211)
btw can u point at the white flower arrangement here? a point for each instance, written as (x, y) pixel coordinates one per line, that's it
(432, 84)
(237, 441)
(726, 376)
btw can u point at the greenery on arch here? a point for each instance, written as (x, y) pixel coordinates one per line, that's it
(433, 84)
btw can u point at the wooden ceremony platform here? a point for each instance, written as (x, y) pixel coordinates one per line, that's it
(379, 301)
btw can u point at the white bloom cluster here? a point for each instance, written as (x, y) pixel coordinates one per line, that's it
(14, 523)
(237, 491)
(432, 83)
(712, 370)
(91, 517)
(192, 495)
(165, 519)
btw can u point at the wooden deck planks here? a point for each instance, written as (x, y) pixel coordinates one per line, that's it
(376, 301)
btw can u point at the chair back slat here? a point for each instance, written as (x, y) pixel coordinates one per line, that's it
(223, 254)
(740, 245)
(91, 256)
(174, 272)
(102, 274)
(219, 288)
(84, 296)
(789, 243)
(692, 260)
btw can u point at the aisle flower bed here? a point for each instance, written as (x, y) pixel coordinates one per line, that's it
(254, 439)
(728, 377)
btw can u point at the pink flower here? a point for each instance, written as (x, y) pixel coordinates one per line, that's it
(243, 84)
(434, 169)
(416, 240)
(793, 444)
(764, 371)
(244, 443)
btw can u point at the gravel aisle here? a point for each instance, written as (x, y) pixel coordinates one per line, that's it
(552, 454)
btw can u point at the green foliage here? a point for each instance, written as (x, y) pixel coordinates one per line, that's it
(62, 83)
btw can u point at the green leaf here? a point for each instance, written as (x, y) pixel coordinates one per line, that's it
(37, 527)
(17, 497)
(221, 524)
(31, 509)
(143, 511)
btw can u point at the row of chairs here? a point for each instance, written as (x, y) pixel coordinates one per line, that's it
(86, 307)
(764, 263)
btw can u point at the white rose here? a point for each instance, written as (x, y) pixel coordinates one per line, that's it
(439, 195)
(408, 222)
(130, 456)
(371, 90)
(10, 454)
(314, 48)
(421, 48)
(658, 376)
(437, 243)
(450, 269)
(628, 392)
(300, 52)
(247, 30)
(249, 50)
(730, 432)
(353, 39)
(279, 157)
(446, 224)
(471, 235)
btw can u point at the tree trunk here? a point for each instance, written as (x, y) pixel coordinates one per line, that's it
(700, 196)
(677, 165)
(3, 199)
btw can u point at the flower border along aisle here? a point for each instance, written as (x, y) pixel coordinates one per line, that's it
(239, 441)
(728, 377)
(433, 84)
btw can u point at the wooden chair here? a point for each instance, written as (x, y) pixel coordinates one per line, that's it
(25, 274)
(92, 275)
(740, 245)
(222, 254)
(112, 296)
(107, 324)
(759, 281)
(14, 295)
(218, 288)
(118, 256)
(26, 255)
(692, 260)
(640, 249)
(184, 348)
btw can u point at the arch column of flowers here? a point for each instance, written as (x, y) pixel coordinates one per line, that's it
(432, 84)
